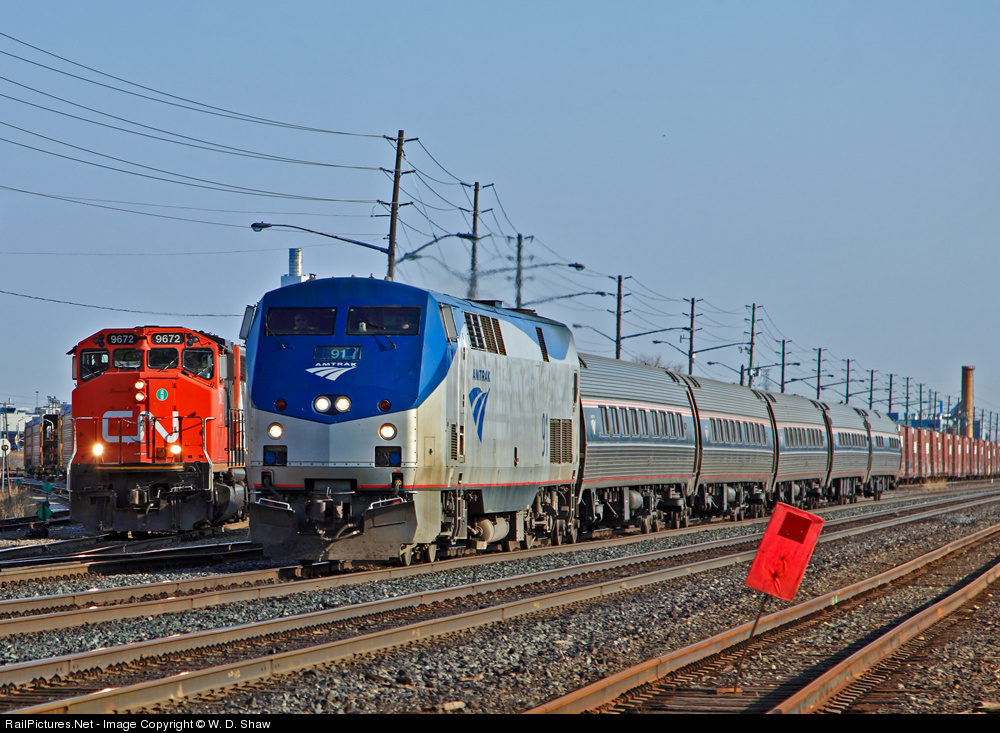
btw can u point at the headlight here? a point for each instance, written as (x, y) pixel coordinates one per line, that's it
(342, 404)
(275, 430)
(140, 385)
(98, 449)
(387, 431)
(322, 404)
(140, 396)
(176, 449)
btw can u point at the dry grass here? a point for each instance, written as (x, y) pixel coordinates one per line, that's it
(18, 504)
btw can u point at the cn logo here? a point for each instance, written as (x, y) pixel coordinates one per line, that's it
(478, 400)
(123, 421)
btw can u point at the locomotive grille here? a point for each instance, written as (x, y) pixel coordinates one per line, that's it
(561, 441)
(476, 340)
(484, 333)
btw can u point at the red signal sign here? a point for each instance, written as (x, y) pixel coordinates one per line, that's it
(784, 552)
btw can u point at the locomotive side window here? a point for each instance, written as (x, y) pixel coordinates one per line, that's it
(372, 320)
(300, 321)
(200, 362)
(93, 364)
(162, 359)
(127, 359)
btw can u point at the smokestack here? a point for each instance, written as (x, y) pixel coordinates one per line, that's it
(294, 268)
(968, 419)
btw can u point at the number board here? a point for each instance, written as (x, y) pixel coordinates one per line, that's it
(168, 338)
(337, 353)
(121, 339)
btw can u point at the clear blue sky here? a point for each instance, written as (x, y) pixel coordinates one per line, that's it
(834, 162)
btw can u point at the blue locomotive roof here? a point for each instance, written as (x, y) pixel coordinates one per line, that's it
(366, 338)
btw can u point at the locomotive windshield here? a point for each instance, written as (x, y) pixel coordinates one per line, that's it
(381, 319)
(93, 364)
(162, 359)
(199, 362)
(127, 359)
(300, 321)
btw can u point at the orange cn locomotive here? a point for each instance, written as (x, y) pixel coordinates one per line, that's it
(158, 426)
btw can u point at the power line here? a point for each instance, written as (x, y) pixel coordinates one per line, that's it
(122, 310)
(205, 108)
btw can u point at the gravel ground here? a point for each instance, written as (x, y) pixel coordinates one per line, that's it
(510, 668)
(498, 669)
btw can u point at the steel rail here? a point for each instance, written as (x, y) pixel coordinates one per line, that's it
(198, 681)
(93, 606)
(824, 688)
(610, 688)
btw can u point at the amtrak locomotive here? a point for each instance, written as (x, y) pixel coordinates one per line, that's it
(391, 422)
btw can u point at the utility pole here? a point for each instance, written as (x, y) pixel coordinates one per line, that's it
(473, 271)
(871, 389)
(753, 330)
(691, 341)
(889, 410)
(920, 414)
(907, 402)
(819, 371)
(847, 384)
(394, 211)
(618, 321)
(517, 276)
(782, 366)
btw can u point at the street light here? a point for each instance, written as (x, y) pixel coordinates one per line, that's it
(561, 297)
(261, 225)
(732, 369)
(618, 341)
(691, 354)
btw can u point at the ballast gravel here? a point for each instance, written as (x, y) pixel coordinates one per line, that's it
(515, 666)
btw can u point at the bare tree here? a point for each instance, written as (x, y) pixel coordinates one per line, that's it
(657, 360)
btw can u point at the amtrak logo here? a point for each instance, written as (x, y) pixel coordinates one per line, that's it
(478, 399)
(332, 371)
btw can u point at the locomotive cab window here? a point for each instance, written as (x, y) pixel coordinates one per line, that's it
(162, 359)
(300, 321)
(127, 359)
(372, 320)
(200, 362)
(93, 364)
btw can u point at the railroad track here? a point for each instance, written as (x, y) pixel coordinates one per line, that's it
(815, 656)
(321, 636)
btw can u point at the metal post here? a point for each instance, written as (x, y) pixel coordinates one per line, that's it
(473, 271)
(691, 342)
(394, 212)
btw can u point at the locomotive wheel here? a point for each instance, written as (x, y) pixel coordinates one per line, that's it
(556, 535)
(646, 526)
(406, 555)
(528, 542)
(430, 553)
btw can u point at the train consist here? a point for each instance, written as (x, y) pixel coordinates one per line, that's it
(158, 430)
(48, 445)
(390, 422)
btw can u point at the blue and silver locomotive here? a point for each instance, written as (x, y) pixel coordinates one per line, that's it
(390, 421)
